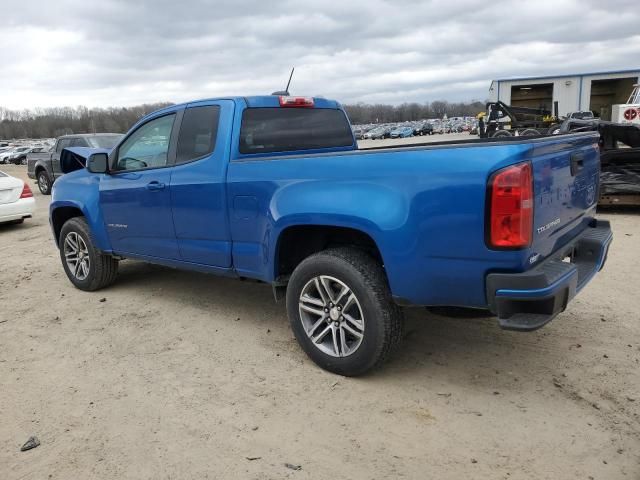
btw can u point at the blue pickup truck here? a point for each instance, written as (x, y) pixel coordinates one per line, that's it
(274, 188)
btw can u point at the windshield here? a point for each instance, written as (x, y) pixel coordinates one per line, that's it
(104, 141)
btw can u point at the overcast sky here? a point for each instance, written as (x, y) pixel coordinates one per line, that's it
(111, 52)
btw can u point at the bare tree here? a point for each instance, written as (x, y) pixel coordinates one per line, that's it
(56, 121)
(380, 113)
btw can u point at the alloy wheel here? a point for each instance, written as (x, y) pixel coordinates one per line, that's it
(76, 255)
(331, 316)
(42, 182)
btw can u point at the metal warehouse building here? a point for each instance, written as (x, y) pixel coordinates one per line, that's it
(577, 92)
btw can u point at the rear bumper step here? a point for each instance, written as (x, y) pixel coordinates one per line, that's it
(529, 300)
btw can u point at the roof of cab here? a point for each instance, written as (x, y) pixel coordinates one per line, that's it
(273, 101)
(255, 101)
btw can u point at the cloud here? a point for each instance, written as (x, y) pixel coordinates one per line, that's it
(116, 52)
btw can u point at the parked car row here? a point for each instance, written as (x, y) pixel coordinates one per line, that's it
(411, 129)
(393, 130)
(18, 154)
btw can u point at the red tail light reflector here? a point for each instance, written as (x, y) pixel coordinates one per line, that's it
(511, 207)
(26, 192)
(296, 102)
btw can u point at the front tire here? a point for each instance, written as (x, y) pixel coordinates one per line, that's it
(341, 311)
(44, 182)
(86, 267)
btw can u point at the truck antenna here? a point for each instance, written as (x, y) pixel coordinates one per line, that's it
(289, 82)
(285, 92)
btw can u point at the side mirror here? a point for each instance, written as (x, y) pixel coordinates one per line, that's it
(98, 163)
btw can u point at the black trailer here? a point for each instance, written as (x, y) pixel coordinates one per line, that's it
(619, 157)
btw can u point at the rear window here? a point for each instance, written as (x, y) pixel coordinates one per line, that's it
(104, 141)
(266, 130)
(79, 142)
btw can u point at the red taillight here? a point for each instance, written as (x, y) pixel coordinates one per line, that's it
(511, 207)
(296, 101)
(26, 192)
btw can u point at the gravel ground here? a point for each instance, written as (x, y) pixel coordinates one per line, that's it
(177, 375)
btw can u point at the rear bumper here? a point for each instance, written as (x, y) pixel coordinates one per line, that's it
(529, 300)
(22, 208)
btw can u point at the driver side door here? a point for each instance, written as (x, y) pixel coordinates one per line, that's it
(135, 196)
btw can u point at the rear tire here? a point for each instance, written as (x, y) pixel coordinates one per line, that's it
(371, 328)
(91, 270)
(44, 182)
(529, 132)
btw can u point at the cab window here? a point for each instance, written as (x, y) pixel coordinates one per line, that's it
(62, 144)
(148, 146)
(198, 131)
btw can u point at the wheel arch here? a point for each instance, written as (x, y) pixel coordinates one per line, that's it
(62, 211)
(300, 240)
(60, 215)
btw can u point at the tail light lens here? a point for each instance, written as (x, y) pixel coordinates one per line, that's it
(511, 207)
(296, 102)
(26, 192)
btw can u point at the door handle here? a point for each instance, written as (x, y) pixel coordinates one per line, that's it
(577, 163)
(155, 185)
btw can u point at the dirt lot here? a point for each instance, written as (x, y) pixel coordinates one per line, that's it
(174, 375)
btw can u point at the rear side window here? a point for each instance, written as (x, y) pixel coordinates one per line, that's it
(266, 130)
(197, 133)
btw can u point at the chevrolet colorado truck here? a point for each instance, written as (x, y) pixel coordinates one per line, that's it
(45, 167)
(274, 188)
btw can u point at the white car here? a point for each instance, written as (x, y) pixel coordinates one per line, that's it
(16, 199)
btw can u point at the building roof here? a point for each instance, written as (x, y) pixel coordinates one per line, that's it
(545, 77)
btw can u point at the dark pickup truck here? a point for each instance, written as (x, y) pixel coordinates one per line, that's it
(45, 167)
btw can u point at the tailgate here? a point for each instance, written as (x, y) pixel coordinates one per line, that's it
(566, 174)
